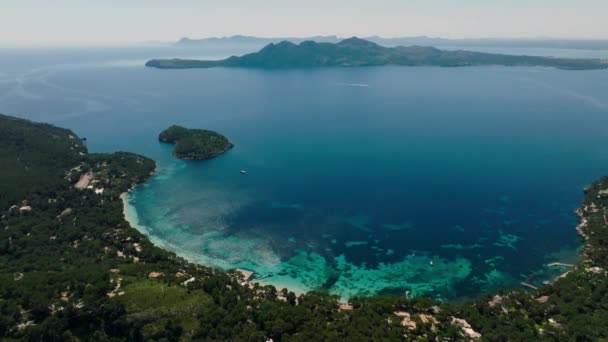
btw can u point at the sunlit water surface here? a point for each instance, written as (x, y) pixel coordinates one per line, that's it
(445, 182)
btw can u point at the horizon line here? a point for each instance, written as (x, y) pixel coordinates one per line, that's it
(135, 43)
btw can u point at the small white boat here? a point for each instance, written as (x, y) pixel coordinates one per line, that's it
(431, 263)
(243, 172)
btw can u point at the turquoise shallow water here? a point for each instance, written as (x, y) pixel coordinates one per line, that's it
(441, 182)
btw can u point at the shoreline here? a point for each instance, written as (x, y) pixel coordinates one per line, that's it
(130, 215)
(293, 285)
(124, 197)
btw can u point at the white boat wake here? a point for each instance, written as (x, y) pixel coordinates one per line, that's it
(363, 85)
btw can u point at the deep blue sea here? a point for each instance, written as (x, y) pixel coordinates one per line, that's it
(444, 182)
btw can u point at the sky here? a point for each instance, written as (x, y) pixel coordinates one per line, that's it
(75, 22)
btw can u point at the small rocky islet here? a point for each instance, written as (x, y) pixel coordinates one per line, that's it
(195, 144)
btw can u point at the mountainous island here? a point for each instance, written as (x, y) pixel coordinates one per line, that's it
(247, 42)
(195, 144)
(73, 269)
(355, 52)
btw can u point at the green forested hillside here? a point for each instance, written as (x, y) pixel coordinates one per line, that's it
(34, 157)
(72, 269)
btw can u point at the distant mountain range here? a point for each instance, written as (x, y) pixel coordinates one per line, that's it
(249, 41)
(355, 52)
(553, 43)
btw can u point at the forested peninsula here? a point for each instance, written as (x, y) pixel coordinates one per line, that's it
(72, 269)
(356, 52)
(195, 144)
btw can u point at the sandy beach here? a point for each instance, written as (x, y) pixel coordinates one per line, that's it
(132, 218)
(125, 210)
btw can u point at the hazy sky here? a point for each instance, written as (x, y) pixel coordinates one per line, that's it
(116, 21)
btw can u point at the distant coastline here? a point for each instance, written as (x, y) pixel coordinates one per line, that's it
(541, 43)
(356, 52)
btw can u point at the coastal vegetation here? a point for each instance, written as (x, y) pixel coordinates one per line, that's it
(355, 52)
(72, 269)
(195, 144)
